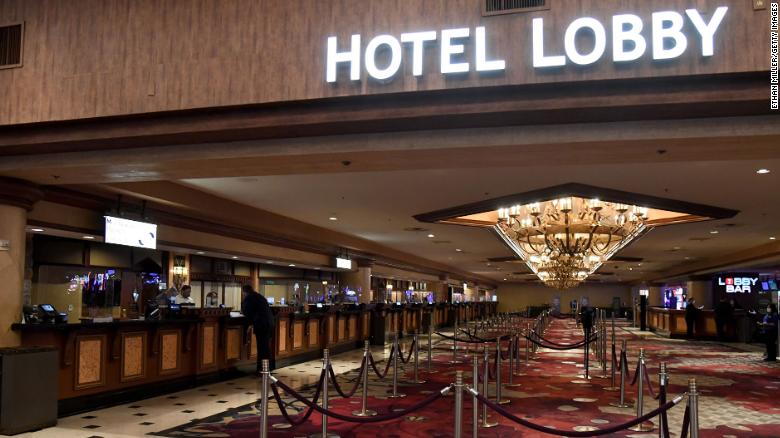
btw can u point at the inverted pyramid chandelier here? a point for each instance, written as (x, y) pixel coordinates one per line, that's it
(567, 232)
(563, 241)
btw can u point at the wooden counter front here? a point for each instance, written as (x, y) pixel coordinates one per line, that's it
(671, 323)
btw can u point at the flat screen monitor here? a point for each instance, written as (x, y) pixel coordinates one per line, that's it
(270, 300)
(127, 232)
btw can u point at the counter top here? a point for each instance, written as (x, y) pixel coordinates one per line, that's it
(116, 323)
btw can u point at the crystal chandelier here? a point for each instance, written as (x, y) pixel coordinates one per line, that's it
(565, 240)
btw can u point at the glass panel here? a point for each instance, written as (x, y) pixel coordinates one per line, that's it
(233, 295)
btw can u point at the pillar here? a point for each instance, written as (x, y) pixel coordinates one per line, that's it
(439, 289)
(17, 197)
(359, 280)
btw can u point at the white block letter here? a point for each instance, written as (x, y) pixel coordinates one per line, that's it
(620, 35)
(417, 39)
(540, 60)
(395, 57)
(448, 49)
(570, 41)
(707, 31)
(482, 63)
(662, 32)
(352, 57)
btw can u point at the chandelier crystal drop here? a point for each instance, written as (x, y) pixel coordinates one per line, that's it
(565, 240)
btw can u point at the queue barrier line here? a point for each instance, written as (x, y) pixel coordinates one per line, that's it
(363, 420)
(337, 387)
(539, 428)
(283, 409)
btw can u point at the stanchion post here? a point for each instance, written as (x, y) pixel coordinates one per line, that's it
(499, 399)
(455, 346)
(622, 403)
(364, 411)
(430, 349)
(474, 401)
(458, 403)
(662, 381)
(397, 352)
(325, 366)
(640, 394)
(693, 407)
(264, 399)
(485, 388)
(417, 360)
(527, 349)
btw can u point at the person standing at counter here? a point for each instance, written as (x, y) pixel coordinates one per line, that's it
(769, 329)
(185, 296)
(723, 314)
(691, 314)
(164, 297)
(255, 307)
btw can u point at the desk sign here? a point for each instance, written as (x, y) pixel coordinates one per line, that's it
(737, 283)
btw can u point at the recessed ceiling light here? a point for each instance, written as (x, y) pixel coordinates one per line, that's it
(200, 252)
(505, 279)
(431, 236)
(234, 257)
(270, 262)
(333, 218)
(88, 237)
(773, 238)
(677, 248)
(763, 171)
(37, 230)
(291, 265)
(458, 250)
(714, 232)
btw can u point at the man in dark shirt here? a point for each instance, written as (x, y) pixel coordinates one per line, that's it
(255, 307)
(691, 314)
(723, 315)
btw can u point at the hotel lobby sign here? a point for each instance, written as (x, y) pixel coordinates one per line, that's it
(627, 41)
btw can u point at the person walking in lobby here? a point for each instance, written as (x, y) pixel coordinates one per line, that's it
(691, 314)
(769, 329)
(723, 314)
(256, 309)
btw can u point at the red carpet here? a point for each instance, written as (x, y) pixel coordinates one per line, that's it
(739, 396)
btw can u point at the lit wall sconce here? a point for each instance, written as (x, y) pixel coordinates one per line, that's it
(179, 271)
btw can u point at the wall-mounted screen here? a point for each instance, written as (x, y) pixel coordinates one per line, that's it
(127, 232)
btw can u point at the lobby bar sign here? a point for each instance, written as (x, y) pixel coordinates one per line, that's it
(740, 283)
(668, 41)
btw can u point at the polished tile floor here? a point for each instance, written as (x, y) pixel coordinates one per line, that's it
(159, 413)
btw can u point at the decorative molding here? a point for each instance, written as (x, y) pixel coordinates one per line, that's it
(19, 193)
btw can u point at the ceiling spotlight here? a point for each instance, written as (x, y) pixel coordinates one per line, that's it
(333, 218)
(505, 279)
(291, 265)
(234, 257)
(714, 232)
(199, 252)
(773, 238)
(431, 236)
(763, 171)
(458, 250)
(37, 230)
(88, 237)
(270, 262)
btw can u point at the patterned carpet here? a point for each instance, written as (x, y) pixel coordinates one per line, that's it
(739, 395)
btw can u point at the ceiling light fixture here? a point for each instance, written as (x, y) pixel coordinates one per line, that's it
(200, 252)
(458, 250)
(763, 171)
(431, 236)
(773, 238)
(234, 257)
(714, 232)
(333, 218)
(37, 230)
(88, 237)
(291, 265)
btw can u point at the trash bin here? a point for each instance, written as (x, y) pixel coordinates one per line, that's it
(28, 389)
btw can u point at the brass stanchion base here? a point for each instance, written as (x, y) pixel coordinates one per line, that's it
(319, 435)
(281, 426)
(621, 406)
(513, 385)
(487, 425)
(504, 401)
(612, 388)
(643, 427)
(419, 382)
(368, 413)
(399, 395)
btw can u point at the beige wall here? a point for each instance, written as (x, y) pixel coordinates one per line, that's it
(169, 55)
(12, 223)
(514, 296)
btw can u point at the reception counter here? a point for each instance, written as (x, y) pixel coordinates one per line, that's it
(671, 323)
(115, 362)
